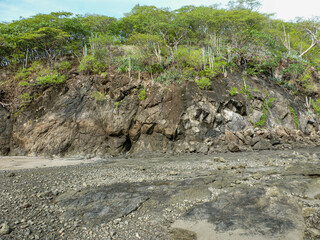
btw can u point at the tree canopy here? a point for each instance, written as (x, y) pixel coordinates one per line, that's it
(187, 39)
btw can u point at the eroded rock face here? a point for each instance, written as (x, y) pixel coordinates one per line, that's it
(68, 120)
(5, 131)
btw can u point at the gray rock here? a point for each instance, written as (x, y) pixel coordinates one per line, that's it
(262, 144)
(5, 229)
(102, 203)
(235, 122)
(246, 213)
(234, 147)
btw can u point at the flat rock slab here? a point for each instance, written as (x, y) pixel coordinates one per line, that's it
(246, 213)
(102, 204)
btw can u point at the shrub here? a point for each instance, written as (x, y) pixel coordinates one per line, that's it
(23, 74)
(204, 83)
(142, 94)
(63, 66)
(270, 101)
(294, 115)
(188, 74)
(316, 107)
(262, 123)
(134, 63)
(98, 96)
(233, 91)
(186, 57)
(24, 84)
(207, 73)
(90, 64)
(25, 98)
(36, 66)
(168, 77)
(47, 77)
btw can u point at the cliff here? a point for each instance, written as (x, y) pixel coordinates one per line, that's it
(95, 115)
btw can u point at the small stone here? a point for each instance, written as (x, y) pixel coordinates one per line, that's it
(308, 212)
(28, 232)
(317, 196)
(117, 220)
(12, 174)
(315, 232)
(26, 205)
(219, 159)
(5, 229)
(173, 173)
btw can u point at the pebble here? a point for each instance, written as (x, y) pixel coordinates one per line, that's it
(219, 159)
(308, 211)
(5, 229)
(315, 232)
(26, 205)
(12, 174)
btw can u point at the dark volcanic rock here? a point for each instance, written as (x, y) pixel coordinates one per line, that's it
(102, 204)
(262, 213)
(5, 131)
(67, 120)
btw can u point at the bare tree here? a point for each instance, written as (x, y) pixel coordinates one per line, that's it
(315, 41)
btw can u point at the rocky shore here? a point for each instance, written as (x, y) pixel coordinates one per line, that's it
(247, 195)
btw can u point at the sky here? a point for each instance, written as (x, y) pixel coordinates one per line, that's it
(14, 9)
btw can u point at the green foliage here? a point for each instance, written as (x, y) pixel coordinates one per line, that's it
(245, 90)
(209, 73)
(295, 118)
(262, 123)
(23, 74)
(35, 66)
(186, 57)
(48, 78)
(188, 74)
(176, 45)
(294, 70)
(270, 102)
(233, 91)
(98, 96)
(316, 107)
(63, 66)
(126, 64)
(24, 98)
(142, 94)
(24, 84)
(90, 64)
(204, 83)
(168, 77)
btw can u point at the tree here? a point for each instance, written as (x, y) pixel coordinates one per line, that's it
(46, 39)
(252, 5)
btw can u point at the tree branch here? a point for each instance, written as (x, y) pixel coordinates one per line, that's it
(315, 41)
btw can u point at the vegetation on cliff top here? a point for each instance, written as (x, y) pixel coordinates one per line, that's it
(187, 44)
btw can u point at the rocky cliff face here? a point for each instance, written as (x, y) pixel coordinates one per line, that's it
(73, 120)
